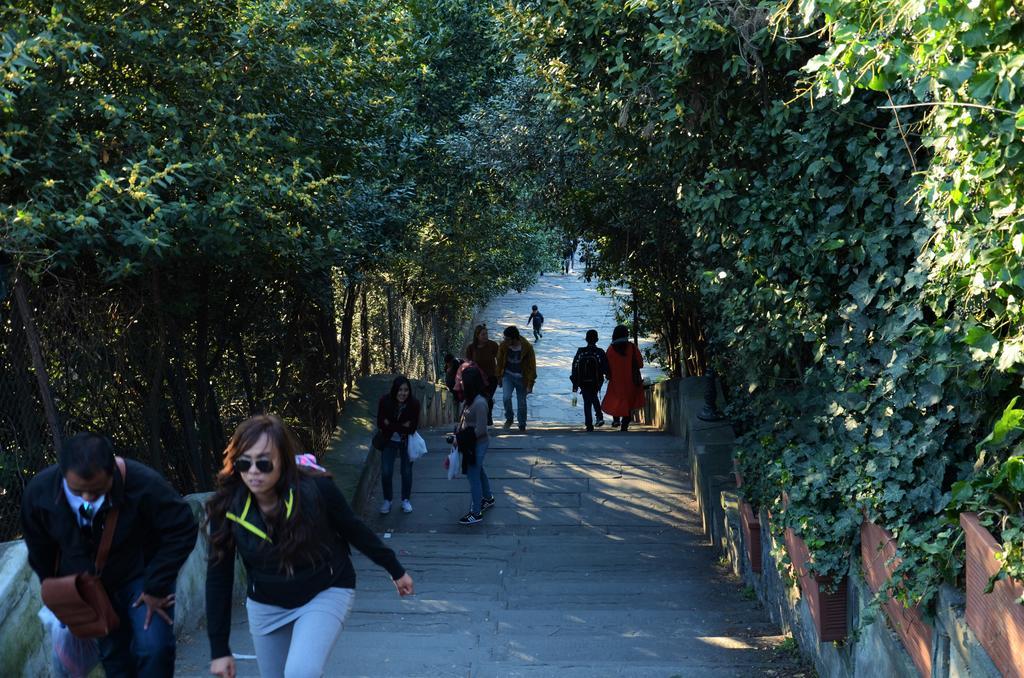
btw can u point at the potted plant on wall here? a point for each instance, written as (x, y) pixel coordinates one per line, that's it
(820, 523)
(757, 484)
(993, 524)
(879, 560)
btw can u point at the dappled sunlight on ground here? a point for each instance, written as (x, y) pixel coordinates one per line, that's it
(592, 560)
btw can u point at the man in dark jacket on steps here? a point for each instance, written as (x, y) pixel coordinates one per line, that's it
(589, 369)
(64, 511)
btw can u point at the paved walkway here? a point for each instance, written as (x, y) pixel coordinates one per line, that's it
(571, 306)
(591, 564)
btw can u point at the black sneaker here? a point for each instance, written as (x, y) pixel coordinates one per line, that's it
(486, 503)
(599, 423)
(508, 424)
(590, 429)
(522, 427)
(471, 518)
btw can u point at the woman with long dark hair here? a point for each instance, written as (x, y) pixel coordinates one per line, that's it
(484, 352)
(474, 415)
(292, 528)
(625, 387)
(398, 415)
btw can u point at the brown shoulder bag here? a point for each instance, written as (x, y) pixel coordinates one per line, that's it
(79, 601)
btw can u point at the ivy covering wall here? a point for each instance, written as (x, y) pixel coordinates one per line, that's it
(821, 200)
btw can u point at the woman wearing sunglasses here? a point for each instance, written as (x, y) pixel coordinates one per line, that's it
(292, 528)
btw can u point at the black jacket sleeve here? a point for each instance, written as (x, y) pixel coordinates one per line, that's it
(220, 583)
(171, 518)
(354, 530)
(42, 548)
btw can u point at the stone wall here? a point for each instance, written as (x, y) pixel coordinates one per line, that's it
(24, 645)
(874, 649)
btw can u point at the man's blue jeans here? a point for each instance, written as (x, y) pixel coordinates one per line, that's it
(131, 651)
(479, 485)
(387, 468)
(508, 383)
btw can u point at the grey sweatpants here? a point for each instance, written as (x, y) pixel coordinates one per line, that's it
(300, 648)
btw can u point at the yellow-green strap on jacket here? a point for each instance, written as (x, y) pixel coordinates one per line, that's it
(241, 520)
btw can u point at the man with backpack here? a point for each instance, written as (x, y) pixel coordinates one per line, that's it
(536, 319)
(589, 369)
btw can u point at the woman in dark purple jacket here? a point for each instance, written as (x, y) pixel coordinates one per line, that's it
(398, 416)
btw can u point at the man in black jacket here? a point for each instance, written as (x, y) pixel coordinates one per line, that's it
(63, 512)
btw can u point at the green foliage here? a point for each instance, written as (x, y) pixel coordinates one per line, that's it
(996, 494)
(203, 197)
(822, 200)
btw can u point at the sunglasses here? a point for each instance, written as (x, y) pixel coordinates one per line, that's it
(243, 464)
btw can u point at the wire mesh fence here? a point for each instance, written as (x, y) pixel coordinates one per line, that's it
(169, 367)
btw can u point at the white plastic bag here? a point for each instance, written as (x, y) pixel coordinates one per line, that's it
(454, 463)
(75, 657)
(417, 446)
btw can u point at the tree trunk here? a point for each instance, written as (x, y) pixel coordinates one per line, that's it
(327, 328)
(179, 396)
(38, 364)
(636, 316)
(345, 357)
(364, 332)
(155, 395)
(206, 427)
(29, 426)
(393, 366)
(242, 365)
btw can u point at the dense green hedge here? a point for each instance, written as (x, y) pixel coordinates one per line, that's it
(821, 200)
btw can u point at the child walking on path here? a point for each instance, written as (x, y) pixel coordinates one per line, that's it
(589, 369)
(536, 319)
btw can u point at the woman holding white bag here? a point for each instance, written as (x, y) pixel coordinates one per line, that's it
(398, 416)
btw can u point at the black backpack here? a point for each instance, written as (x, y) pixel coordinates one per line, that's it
(588, 369)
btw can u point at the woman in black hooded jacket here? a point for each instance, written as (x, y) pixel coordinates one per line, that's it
(292, 529)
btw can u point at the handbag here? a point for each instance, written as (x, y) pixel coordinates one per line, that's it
(380, 439)
(417, 446)
(79, 601)
(453, 462)
(638, 379)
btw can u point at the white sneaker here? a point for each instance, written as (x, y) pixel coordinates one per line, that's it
(406, 506)
(385, 507)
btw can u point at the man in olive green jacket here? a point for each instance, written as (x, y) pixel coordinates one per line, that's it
(516, 370)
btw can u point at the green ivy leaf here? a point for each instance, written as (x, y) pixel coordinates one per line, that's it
(1007, 423)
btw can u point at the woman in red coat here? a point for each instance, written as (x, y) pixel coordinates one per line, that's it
(625, 388)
